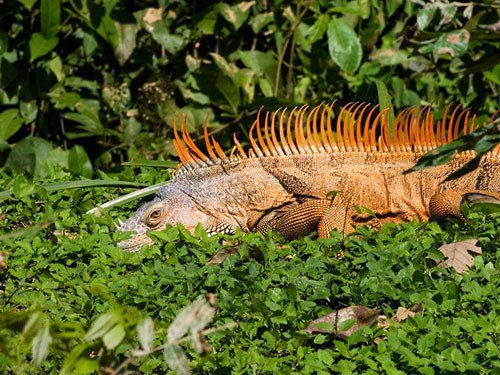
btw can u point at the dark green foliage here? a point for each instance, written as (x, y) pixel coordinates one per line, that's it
(110, 76)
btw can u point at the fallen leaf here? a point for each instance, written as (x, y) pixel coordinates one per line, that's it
(337, 322)
(459, 254)
(222, 254)
(402, 313)
(152, 15)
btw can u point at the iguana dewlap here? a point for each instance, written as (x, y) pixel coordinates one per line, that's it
(297, 158)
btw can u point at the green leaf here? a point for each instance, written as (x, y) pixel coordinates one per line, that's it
(113, 337)
(102, 325)
(104, 24)
(10, 122)
(384, 101)
(127, 34)
(50, 17)
(259, 21)
(89, 120)
(31, 324)
(301, 89)
(28, 111)
(390, 56)
(29, 154)
(346, 324)
(176, 359)
(171, 42)
(266, 87)
(40, 345)
(237, 14)
(79, 162)
(28, 3)
(40, 46)
(262, 63)
(425, 15)
(62, 99)
(56, 66)
(493, 75)
(449, 45)
(146, 334)
(325, 356)
(194, 317)
(71, 359)
(344, 45)
(318, 29)
(4, 43)
(229, 90)
(244, 79)
(86, 366)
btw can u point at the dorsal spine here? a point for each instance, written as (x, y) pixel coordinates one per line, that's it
(357, 128)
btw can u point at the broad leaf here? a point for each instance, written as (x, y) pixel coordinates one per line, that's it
(40, 345)
(459, 254)
(29, 154)
(10, 122)
(425, 15)
(194, 317)
(50, 17)
(102, 325)
(4, 43)
(146, 334)
(318, 29)
(176, 359)
(79, 162)
(454, 44)
(344, 322)
(344, 45)
(237, 14)
(40, 46)
(113, 337)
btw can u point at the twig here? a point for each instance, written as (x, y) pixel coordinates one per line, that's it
(288, 37)
(205, 332)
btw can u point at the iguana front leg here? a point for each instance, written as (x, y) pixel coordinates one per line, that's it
(446, 204)
(314, 215)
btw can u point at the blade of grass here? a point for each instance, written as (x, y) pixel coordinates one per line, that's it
(126, 198)
(77, 184)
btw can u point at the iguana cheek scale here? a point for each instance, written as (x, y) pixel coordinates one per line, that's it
(297, 158)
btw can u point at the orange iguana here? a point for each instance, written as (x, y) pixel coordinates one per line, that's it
(282, 182)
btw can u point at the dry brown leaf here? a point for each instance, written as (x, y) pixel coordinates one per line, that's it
(402, 313)
(152, 15)
(2, 261)
(222, 254)
(459, 254)
(363, 316)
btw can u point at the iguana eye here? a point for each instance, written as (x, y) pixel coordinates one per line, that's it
(154, 217)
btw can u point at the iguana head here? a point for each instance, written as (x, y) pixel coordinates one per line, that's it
(172, 206)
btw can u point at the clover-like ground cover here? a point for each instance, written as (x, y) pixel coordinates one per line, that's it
(71, 301)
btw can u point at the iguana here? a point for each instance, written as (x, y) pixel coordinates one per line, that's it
(297, 157)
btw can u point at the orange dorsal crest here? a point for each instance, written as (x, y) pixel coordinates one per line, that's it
(358, 127)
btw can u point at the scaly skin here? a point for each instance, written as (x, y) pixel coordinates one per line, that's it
(285, 188)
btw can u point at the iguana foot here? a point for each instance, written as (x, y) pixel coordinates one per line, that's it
(446, 204)
(315, 215)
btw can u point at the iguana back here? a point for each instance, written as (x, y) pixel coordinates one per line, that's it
(297, 158)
